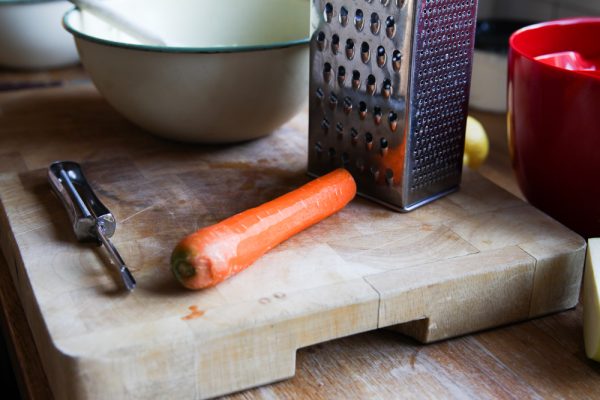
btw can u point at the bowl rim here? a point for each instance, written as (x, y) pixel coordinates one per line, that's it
(24, 2)
(541, 25)
(175, 49)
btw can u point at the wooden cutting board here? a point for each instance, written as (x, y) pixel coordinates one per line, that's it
(476, 259)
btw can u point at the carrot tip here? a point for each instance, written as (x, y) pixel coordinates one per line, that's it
(181, 267)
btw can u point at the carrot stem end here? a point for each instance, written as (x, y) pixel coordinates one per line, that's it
(181, 266)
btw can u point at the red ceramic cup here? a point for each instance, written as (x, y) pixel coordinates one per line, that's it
(554, 119)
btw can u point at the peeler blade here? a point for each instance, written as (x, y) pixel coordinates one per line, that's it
(115, 257)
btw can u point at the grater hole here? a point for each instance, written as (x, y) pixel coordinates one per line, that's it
(347, 105)
(325, 125)
(343, 16)
(368, 141)
(327, 72)
(375, 24)
(365, 53)
(389, 176)
(383, 146)
(396, 60)
(371, 82)
(374, 172)
(360, 165)
(339, 128)
(333, 101)
(328, 12)
(381, 56)
(362, 110)
(319, 94)
(355, 80)
(341, 75)
(335, 44)
(359, 20)
(331, 153)
(349, 49)
(354, 136)
(385, 3)
(393, 121)
(390, 27)
(377, 115)
(321, 41)
(386, 89)
(400, 3)
(318, 147)
(345, 159)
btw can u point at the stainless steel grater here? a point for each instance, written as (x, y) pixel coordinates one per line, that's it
(389, 93)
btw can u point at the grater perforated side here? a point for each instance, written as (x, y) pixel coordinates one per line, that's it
(389, 95)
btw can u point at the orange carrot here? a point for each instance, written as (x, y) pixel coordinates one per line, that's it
(214, 253)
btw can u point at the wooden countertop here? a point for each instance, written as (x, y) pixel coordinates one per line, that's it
(543, 358)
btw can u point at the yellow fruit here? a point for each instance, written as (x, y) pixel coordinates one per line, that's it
(477, 145)
(591, 300)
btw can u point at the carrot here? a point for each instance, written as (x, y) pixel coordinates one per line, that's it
(214, 253)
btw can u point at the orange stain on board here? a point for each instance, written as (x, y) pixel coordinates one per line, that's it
(194, 313)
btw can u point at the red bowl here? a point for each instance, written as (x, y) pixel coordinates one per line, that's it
(554, 120)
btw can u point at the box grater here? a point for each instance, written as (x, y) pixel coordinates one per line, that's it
(389, 93)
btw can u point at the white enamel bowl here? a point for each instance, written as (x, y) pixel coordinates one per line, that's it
(31, 36)
(233, 70)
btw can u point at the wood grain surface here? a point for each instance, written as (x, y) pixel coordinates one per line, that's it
(540, 359)
(476, 259)
(11, 80)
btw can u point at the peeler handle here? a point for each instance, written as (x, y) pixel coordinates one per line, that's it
(80, 201)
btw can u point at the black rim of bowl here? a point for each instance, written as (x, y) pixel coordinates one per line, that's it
(175, 49)
(25, 2)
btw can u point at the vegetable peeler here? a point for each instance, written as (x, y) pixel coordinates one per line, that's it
(389, 90)
(91, 220)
